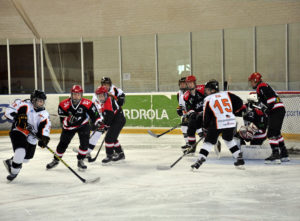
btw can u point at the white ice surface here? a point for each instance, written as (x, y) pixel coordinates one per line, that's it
(136, 190)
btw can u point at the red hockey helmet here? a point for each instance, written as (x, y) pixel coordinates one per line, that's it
(101, 90)
(76, 89)
(256, 77)
(190, 78)
(101, 93)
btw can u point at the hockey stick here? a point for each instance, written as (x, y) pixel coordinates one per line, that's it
(163, 167)
(95, 158)
(158, 135)
(97, 179)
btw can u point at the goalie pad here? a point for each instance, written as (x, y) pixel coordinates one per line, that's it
(247, 132)
(256, 152)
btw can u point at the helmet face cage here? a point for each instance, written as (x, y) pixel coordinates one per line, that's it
(212, 85)
(182, 84)
(101, 93)
(75, 91)
(38, 99)
(188, 81)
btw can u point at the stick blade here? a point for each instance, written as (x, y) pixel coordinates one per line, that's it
(163, 167)
(152, 134)
(94, 180)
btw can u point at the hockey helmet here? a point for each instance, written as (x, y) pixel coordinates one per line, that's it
(181, 80)
(190, 78)
(256, 77)
(212, 85)
(38, 98)
(106, 80)
(101, 93)
(76, 89)
(252, 98)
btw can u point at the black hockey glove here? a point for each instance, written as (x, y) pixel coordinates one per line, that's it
(179, 111)
(21, 121)
(43, 141)
(191, 114)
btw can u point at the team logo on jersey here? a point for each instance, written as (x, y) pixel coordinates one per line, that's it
(80, 110)
(86, 102)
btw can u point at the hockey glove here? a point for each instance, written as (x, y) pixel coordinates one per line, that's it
(179, 111)
(191, 114)
(43, 141)
(21, 121)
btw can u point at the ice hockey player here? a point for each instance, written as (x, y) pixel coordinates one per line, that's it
(219, 117)
(256, 122)
(113, 91)
(113, 121)
(75, 113)
(276, 112)
(181, 111)
(193, 98)
(31, 125)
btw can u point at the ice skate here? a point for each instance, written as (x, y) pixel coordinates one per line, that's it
(11, 177)
(118, 157)
(81, 166)
(198, 163)
(190, 150)
(7, 164)
(273, 159)
(239, 163)
(107, 160)
(52, 164)
(284, 156)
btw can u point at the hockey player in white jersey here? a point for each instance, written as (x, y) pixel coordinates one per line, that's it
(219, 113)
(27, 114)
(115, 93)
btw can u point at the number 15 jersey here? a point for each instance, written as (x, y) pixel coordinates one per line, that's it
(219, 110)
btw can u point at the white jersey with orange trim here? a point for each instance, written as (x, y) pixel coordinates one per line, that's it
(39, 121)
(221, 106)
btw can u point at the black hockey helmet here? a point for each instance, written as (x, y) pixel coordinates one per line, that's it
(212, 85)
(35, 95)
(106, 80)
(181, 80)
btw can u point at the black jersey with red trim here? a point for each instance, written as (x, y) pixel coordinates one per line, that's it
(109, 110)
(194, 102)
(73, 117)
(209, 118)
(268, 96)
(258, 118)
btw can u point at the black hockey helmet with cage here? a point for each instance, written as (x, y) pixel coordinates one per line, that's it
(38, 94)
(181, 80)
(212, 85)
(106, 80)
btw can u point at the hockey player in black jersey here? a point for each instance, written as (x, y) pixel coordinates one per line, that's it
(181, 110)
(75, 113)
(26, 114)
(193, 98)
(276, 112)
(113, 120)
(256, 122)
(219, 113)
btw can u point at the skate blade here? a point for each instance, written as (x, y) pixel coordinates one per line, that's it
(163, 167)
(285, 159)
(81, 169)
(119, 161)
(107, 164)
(273, 162)
(6, 166)
(240, 167)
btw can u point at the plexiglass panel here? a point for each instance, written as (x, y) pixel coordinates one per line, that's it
(207, 55)
(173, 59)
(62, 64)
(3, 67)
(138, 63)
(271, 58)
(238, 48)
(294, 56)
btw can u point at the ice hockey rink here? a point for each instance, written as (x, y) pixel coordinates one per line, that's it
(136, 190)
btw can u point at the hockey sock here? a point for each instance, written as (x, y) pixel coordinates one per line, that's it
(109, 148)
(18, 160)
(117, 147)
(192, 140)
(232, 146)
(206, 148)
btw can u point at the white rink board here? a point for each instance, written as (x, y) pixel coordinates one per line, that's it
(136, 191)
